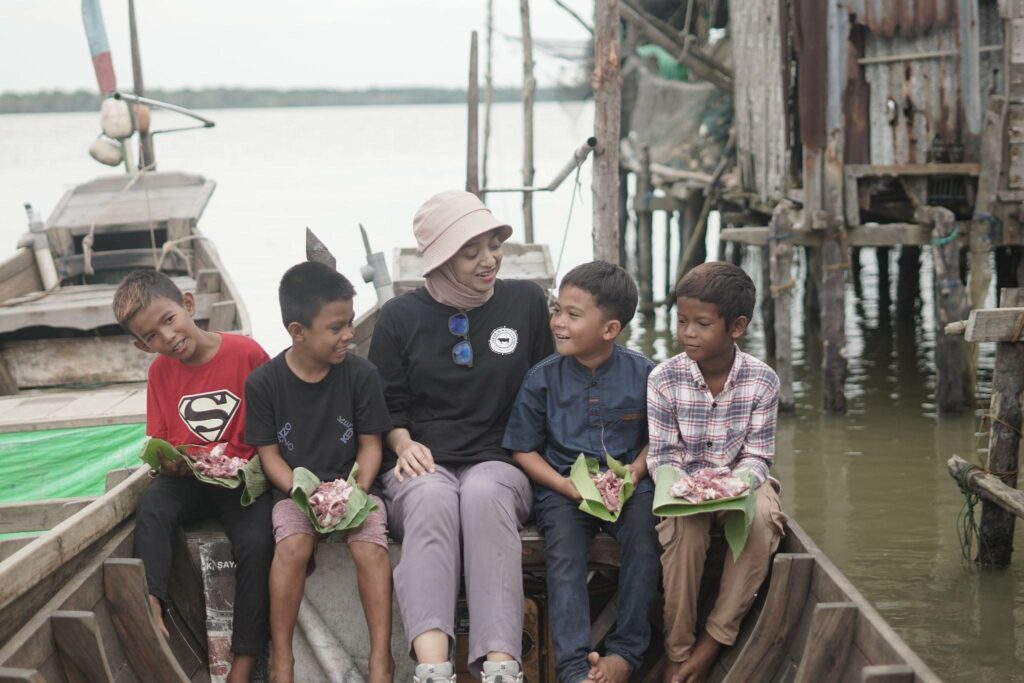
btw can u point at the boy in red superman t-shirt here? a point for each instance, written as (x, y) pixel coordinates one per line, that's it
(196, 395)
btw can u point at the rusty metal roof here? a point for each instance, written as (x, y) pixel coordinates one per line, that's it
(901, 17)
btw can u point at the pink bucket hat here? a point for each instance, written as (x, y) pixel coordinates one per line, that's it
(448, 220)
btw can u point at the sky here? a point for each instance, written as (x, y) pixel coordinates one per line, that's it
(342, 44)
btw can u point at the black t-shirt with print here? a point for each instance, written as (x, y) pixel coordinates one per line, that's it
(316, 425)
(458, 412)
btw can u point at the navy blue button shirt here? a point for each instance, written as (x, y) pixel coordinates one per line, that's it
(563, 409)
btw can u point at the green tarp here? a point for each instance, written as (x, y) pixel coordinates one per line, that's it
(65, 463)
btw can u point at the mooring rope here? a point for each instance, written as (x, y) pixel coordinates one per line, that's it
(568, 222)
(966, 521)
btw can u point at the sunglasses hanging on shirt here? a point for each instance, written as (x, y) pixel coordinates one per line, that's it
(462, 352)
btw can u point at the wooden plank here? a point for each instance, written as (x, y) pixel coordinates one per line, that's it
(80, 644)
(92, 360)
(762, 655)
(38, 515)
(872, 235)
(23, 259)
(179, 229)
(207, 281)
(20, 284)
(12, 675)
(222, 316)
(994, 325)
(828, 643)
(124, 584)
(896, 170)
(8, 385)
(75, 314)
(8, 546)
(44, 410)
(73, 266)
(887, 673)
(31, 564)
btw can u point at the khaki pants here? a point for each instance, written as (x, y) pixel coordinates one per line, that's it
(685, 542)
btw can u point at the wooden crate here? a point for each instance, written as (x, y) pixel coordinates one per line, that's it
(521, 262)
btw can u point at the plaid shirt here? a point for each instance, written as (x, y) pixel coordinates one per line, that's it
(690, 429)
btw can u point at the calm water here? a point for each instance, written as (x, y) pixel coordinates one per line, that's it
(871, 488)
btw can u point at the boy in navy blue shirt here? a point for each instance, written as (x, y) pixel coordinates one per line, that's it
(590, 398)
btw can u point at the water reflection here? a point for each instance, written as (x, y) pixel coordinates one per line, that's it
(872, 487)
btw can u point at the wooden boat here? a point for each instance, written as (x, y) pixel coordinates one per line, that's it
(57, 339)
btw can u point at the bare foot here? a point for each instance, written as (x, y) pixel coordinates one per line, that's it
(158, 614)
(608, 669)
(241, 668)
(382, 669)
(282, 669)
(672, 672)
(698, 666)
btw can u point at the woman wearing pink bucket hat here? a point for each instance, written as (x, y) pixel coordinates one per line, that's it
(452, 355)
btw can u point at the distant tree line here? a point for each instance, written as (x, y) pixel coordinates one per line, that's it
(241, 98)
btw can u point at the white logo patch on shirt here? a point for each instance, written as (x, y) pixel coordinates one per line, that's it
(207, 415)
(503, 340)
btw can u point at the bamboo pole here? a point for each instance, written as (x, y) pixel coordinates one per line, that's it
(607, 86)
(473, 125)
(950, 302)
(488, 91)
(529, 87)
(644, 227)
(781, 268)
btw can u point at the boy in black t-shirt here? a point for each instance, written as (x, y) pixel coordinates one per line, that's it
(314, 406)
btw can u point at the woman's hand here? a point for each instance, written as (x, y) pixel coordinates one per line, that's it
(414, 459)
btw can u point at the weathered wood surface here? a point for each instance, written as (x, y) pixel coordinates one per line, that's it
(124, 585)
(782, 285)
(75, 361)
(988, 486)
(19, 275)
(644, 227)
(529, 88)
(988, 183)
(154, 197)
(995, 325)
(12, 675)
(38, 515)
(950, 303)
(223, 317)
(73, 266)
(472, 122)
(80, 644)
(521, 261)
(887, 673)
(32, 411)
(760, 43)
(607, 85)
(763, 653)
(835, 262)
(32, 563)
(206, 257)
(828, 643)
(884, 235)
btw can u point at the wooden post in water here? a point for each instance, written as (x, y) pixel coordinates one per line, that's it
(780, 245)
(882, 257)
(488, 92)
(995, 533)
(950, 301)
(644, 227)
(473, 124)
(908, 282)
(812, 284)
(834, 264)
(767, 300)
(529, 87)
(607, 86)
(980, 276)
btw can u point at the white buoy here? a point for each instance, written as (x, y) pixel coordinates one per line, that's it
(116, 119)
(106, 151)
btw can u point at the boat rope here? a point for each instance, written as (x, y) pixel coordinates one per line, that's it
(568, 222)
(966, 520)
(90, 237)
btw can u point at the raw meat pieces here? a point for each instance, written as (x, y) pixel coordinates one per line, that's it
(329, 501)
(708, 484)
(609, 485)
(211, 461)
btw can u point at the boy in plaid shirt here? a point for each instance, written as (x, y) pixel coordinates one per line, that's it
(711, 406)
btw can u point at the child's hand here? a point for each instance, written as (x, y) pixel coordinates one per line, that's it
(568, 489)
(633, 474)
(173, 468)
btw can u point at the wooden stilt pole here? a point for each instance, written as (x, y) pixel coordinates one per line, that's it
(488, 92)
(529, 87)
(767, 301)
(834, 264)
(780, 247)
(473, 126)
(607, 86)
(644, 227)
(908, 283)
(950, 301)
(855, 271)
(995, 533)
(669, 281)
(882, 257)
(812, 283)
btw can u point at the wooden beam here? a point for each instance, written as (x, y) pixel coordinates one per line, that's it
(38, 515)
(835, 258)
(995, 325)
(828, 643)
(208, 281)
(764, 651)
(529, 88)
(606, 82)
(33, 563)
(887, 673)
(870, 235)
(895, 170)
(472, 127)
(988, 486)
(14, 675)
(222, 316)
(80, 644)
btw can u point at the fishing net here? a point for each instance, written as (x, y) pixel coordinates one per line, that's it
(65, 463)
